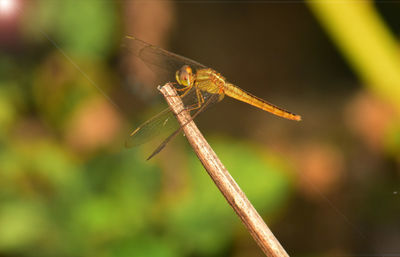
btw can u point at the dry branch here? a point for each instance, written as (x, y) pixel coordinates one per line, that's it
(224, 181)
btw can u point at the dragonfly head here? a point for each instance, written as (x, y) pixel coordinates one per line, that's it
(184, 76)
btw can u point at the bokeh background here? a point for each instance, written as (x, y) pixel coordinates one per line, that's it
(69, 95)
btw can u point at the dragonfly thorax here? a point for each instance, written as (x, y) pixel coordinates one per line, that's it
(184, 76)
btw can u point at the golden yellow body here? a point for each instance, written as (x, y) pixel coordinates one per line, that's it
(210, 81)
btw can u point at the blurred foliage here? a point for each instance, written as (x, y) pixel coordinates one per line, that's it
(59, 199)
(85, 28)
(68, 189)
(110, 205)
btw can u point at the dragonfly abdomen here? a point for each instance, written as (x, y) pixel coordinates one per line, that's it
(241, 95)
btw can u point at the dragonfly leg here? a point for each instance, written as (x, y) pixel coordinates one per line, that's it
(200, 98)
(200, 101)
(180, 89)
(186, 90)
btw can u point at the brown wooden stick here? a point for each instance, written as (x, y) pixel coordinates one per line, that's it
(224, 181)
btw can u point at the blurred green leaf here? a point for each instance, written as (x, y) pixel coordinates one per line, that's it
(392, 139)
(7, 109)
(21, 223)
(82, 28)
(145, 245)
(123, 192)
(262, 175)
(88, 28)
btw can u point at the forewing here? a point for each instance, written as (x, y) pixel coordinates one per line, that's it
(162, 62)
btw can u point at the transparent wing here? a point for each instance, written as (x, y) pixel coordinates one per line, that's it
(165, 120)
(162, 62)
(211, 100)
(151, 128)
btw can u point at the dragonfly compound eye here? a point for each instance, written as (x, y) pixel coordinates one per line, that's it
(184, 76)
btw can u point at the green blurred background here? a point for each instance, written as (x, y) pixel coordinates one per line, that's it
(327, 186)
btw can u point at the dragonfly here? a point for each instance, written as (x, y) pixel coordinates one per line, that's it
(198, 86)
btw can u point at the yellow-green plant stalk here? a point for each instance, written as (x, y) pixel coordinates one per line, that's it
(366, 42)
